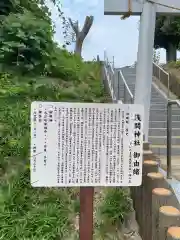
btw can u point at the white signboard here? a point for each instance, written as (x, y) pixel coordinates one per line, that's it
(120, 7)
(86, 144)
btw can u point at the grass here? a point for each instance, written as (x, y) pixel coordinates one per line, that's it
(111, 208)
(48, 213)
(173, 68)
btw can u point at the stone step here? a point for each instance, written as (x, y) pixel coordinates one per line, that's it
(161, 150)
(132, 86)
(158, 106)
(130, 78)
(156, 97)
(163, 107)
(162, 140)
(162, 117)
(164, 111)
(163, 131)
(154, 100)
(159, 101)
(163, 124)
(129, 72)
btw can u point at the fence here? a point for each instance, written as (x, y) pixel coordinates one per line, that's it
(162, 76)
(167, 79)
(115, 83)
(156, 201)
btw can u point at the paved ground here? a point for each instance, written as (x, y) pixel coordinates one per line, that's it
(175, 166)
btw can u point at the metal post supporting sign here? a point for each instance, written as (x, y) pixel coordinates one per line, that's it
(148, 10)
(86, 145)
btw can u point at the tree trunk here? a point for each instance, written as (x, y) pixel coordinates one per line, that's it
(81, 35)
(171, 53)
(78, 46)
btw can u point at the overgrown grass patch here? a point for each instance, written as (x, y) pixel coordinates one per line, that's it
(115, 205)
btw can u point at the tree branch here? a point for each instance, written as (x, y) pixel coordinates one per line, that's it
(87, 25)
(75, 26)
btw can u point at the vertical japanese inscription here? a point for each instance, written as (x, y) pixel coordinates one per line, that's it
(59, 175)
(34, 147)
(122, 147)
(130, 147)
(137, 134)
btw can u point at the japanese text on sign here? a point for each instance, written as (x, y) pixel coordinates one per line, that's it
(85, 144)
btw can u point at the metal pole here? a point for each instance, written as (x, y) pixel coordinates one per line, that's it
(118, 90)
(168, 86)
(169, 137)
(114, 84)
(144, 61)
(104, 55)
(124, 93)
(86, 213)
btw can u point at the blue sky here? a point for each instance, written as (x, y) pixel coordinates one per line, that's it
(118, 37)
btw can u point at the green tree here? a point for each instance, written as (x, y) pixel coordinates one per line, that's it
(156, 56)
(167, 36)
(26, 41)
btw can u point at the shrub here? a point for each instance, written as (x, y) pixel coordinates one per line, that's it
(25, 42)
(116, 205)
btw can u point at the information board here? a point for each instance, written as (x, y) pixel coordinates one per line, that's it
(86, 144)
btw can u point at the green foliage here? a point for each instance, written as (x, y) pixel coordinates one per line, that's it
(167, 31)
(6, 6)
(156, 56)
(25, 42)
(30, 213)
(115, 205)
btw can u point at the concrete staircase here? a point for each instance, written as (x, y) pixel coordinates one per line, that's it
(158, 116)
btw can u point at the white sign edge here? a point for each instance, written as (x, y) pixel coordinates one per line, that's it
(112, 7)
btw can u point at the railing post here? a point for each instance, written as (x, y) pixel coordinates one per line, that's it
(118, 90)
(169, 137)
(168, 216)
(124, 93)
(168, 86)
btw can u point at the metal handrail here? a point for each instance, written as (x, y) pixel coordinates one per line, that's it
(169, 134)
(127, 87)
(113, 79)
(108, 77)
(158, 75)
(109, 72)
(160, 68)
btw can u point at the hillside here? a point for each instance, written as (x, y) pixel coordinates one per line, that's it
(173, 68)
